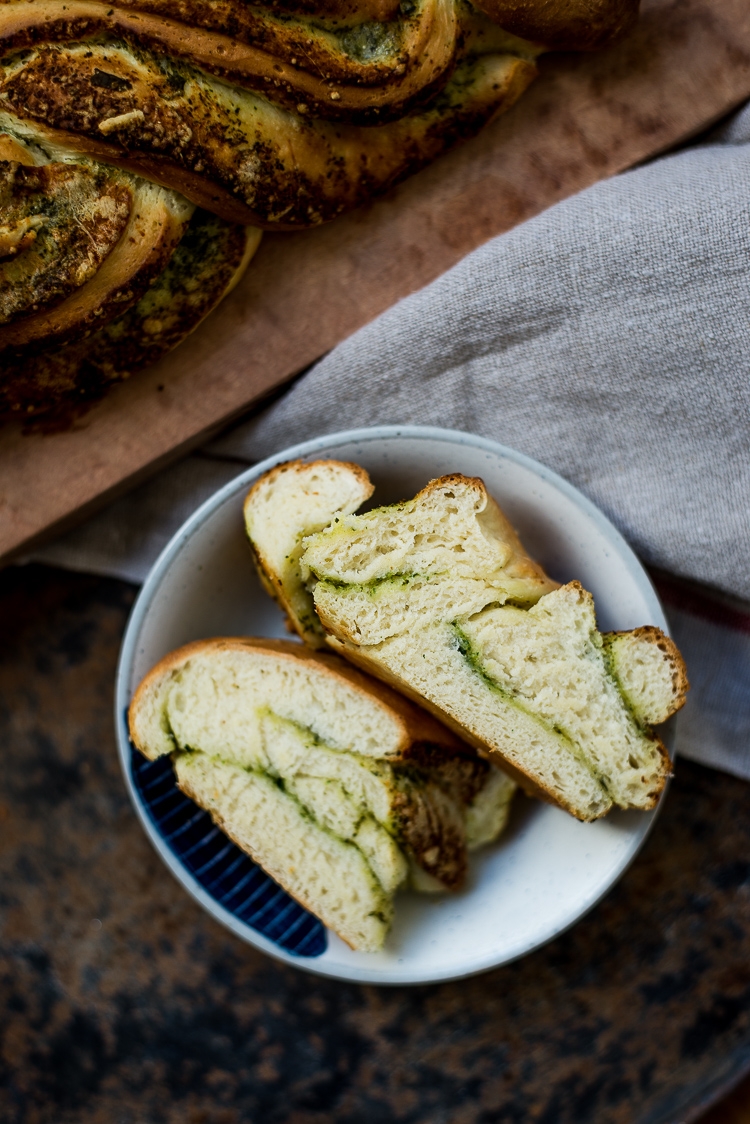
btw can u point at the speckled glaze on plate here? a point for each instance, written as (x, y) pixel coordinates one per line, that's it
(548, 869)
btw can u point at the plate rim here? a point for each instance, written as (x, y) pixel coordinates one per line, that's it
(140, 608)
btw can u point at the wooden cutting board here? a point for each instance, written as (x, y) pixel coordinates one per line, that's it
(685, 65)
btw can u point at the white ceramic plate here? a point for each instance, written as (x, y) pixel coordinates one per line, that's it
(545, 872)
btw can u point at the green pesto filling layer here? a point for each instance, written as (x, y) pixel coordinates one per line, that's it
(473, 659)
(306, 812)
(386, 583)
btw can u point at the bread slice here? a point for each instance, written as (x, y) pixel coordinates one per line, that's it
(437, 596)
(282, 501)
(342, 790)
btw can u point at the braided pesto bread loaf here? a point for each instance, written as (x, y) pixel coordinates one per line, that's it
(265, 114)
(101, 272)
(280, 116)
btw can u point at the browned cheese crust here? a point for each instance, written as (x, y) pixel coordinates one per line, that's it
(235, 153)
(209, 259)
(57, 225)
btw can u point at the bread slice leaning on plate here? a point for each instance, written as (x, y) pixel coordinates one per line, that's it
(339, 788)
(438, 597)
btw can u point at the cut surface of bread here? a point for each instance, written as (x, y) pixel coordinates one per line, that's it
(437, 597)
(288, 497)
(370, 789)
(325, 874)
(448, 552)
(650, 671)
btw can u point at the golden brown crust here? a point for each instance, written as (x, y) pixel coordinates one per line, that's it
(417, 726)
(288, 172)
(154, 227)
(57, 225)
(564, 25)
(209, 260)
(349, 72)
(267, 478)
(14, 152)
(673, 655)
(251, 48)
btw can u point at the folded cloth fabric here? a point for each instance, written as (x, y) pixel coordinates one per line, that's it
(607, 338)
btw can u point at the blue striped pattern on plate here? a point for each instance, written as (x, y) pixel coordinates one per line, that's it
(222, 869)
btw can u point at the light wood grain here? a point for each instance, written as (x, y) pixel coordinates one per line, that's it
(685, 65)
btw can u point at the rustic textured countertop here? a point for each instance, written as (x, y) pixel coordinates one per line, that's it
(123, 1003)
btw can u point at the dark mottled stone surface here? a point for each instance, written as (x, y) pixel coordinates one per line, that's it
(122, 1003)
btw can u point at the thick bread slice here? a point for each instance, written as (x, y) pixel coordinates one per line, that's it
(365, 766)
(650, 671)
(317, 690)
(327, 875)
(450, 548)
(431, 666)
(448, 552)
(289, 497)
(451, 527)
(538, 687)
(550, 661)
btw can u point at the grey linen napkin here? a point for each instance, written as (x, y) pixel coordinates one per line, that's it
(609, 338)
